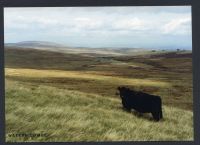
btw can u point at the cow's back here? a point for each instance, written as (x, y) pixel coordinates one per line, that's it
(143, 102)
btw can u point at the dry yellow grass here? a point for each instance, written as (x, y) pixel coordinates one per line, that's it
(75, 116)
(31, 73)
(80, 104)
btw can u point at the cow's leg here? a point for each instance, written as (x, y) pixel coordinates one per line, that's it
(140, 114)
(127, 109)
(156, 115)
(126, 106)
(161, 115)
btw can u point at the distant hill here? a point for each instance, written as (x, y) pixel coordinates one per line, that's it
(51, 46)
(35, 44)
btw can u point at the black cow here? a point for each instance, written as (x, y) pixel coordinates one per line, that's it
(141, 102)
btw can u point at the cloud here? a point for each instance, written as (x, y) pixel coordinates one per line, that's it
(128, 24)
(87, 23)
(124, 26)
(177, 26)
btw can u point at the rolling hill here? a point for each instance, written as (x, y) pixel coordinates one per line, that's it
(72, 96)
(50, 46)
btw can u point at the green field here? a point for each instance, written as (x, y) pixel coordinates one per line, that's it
(72, 97)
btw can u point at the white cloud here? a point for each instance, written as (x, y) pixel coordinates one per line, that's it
(129, 24)
(90, 19)
(87, 23)
(100, 23)
(176, 26)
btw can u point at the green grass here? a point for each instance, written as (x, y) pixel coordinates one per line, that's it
(75, 116)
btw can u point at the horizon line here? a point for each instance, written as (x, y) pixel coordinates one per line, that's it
(121, 47)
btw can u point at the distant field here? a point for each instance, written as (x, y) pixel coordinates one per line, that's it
(75, 95)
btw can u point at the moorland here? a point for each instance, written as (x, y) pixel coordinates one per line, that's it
(70, 93)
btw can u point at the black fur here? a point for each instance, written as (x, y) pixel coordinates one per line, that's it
(141, 102)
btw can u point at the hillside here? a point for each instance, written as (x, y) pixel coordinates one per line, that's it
(34, 44)
(66, 115)
(50, 46)
(72, 97)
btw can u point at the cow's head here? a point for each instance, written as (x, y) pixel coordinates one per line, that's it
(122, 91)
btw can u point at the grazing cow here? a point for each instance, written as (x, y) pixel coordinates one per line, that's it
(141, 102)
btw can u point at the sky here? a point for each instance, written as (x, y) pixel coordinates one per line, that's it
(154, 27)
